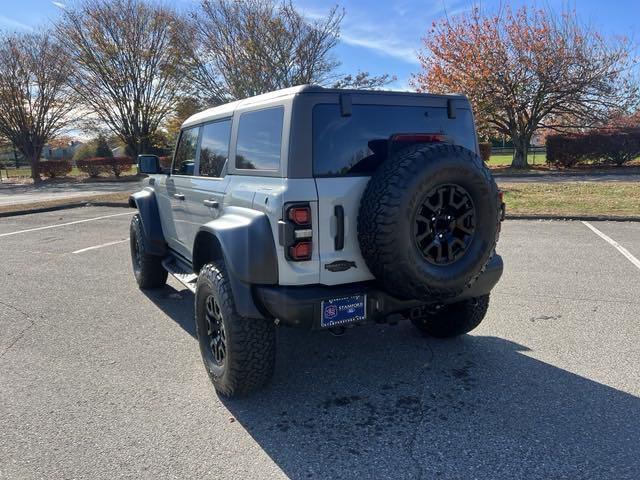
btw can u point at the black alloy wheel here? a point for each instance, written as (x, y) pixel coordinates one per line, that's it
(215, 331)
(135, 255)
(444, 224)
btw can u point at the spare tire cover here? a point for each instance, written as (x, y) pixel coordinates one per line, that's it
(429, 221)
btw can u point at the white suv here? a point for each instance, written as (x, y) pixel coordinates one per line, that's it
(323, 209)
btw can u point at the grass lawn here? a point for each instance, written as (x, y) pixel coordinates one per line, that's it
(505, 159)
(573, 199)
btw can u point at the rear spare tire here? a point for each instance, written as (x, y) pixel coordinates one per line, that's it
(428, 221)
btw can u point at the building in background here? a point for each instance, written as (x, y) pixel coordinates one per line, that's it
(60, 150)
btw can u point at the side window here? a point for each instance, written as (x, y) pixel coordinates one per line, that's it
(185, 158)
(214, 148)
(259, 139)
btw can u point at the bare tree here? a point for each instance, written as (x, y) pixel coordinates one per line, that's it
(184, 107)
(127, 64)
(35, 100)
(236, 49)
(526, 70)
(364, 81)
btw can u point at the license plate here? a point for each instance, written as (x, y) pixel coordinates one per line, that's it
(341, 311)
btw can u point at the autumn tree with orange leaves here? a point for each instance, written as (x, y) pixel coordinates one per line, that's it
(527, 70)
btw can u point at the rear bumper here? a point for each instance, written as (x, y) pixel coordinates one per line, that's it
(301, 306)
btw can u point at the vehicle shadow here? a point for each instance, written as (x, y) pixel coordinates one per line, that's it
(384, 402)
(176, 304)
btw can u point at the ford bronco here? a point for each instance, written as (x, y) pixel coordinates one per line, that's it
(321, 209)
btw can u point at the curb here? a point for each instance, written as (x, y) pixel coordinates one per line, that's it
(65, 206)
(588, 218)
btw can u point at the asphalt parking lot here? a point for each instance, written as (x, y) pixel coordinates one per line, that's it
(101, 380)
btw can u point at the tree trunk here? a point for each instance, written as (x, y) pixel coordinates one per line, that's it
(34, 161)
(520, 152)
(133, 149)
(35, 168)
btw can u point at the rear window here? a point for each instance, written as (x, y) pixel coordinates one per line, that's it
(260, 139)
(357, 144)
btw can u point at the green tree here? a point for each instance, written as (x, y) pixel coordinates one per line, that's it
(86, 150)
(102, 147)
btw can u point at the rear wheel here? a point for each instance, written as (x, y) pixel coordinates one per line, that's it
(147, 268)
(238, 352)
(455, 319)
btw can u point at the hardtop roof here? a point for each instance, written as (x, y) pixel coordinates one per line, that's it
(227, 109)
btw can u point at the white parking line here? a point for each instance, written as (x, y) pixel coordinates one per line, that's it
(65, 224)
(615, 244)
(101, 245)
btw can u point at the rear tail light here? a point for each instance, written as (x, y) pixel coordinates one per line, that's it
(301, 251)
(296, 232)
(299, 215)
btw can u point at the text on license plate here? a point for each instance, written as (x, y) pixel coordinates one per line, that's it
(344, 310)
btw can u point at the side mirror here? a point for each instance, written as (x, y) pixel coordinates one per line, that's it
(149, 164)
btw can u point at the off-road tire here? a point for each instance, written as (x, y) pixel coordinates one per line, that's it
(147, 268)
(250, 342)
(387, 212)
(455, 319)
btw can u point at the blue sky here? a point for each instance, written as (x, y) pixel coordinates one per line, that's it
(379, 36)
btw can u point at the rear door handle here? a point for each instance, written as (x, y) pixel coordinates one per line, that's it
(338, 240)
(211, 203)
(179, 196)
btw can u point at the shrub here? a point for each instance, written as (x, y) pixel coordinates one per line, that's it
(485, 151)
(165, 162)
(564, 150)
(98, 165)
(601, 147)
(93, 166)
(119, 164)
(616, 148)
(55, 168)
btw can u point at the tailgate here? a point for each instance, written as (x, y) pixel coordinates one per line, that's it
(340, 265)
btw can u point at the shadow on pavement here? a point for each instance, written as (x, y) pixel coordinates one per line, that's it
(384, 402)
(177, 304)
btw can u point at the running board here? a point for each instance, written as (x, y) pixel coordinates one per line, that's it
(188, 279)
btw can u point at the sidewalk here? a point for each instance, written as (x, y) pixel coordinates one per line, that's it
(562, 177)
(17, 194)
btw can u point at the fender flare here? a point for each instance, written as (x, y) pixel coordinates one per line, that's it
(245, 242)
(145, 202)
(243, 239)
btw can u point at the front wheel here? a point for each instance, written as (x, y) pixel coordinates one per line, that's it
(455, 319)
(238, 352)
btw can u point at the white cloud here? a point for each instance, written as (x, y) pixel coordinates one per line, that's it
(389, 46)
(398, 38)
(7, 23)
(60, 5)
